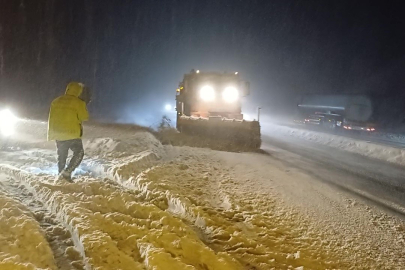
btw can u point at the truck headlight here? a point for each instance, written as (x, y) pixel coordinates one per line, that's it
(207, 93)
(230, 94)
(7, 122)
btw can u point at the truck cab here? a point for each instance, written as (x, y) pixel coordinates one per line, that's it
(211, 94)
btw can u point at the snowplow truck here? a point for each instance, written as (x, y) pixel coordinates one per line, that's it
(208, 104)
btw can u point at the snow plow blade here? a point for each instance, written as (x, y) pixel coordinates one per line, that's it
(234, 132)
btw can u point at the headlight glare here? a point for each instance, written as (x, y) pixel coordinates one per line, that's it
(7, 122)
(230, 94)
(207, 93)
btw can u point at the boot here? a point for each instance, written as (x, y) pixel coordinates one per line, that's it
(65, 175)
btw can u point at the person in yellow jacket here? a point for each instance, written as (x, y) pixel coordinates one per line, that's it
(66, 115)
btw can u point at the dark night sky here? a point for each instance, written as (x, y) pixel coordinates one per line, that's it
(134, 53)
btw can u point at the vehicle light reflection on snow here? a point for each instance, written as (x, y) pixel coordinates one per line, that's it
(53, 170)
(47, 170)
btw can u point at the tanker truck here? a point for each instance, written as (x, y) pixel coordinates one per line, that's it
(208, 104)
(350, 112)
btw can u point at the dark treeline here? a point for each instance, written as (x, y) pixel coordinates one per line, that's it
(45, 44)
(134, 52)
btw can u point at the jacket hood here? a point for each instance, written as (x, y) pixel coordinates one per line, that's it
(74, 89)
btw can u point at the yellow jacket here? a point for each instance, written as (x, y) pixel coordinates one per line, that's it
(67, 114)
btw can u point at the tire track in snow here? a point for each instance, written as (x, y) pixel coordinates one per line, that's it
(22, 242)
(114, 229)
(58, 238)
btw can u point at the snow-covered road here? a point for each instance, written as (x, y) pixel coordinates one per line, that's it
(136, 204)
(372, 172)
(380, 183)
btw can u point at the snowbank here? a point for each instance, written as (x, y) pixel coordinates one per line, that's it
(108, 156)
(382, 152)
(138, 150)
(390, 137)
(22, 242)
(117, 147)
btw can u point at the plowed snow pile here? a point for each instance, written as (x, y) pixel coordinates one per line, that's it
(138, 205)
(377, 151)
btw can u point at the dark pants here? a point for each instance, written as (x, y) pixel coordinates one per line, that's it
(63, 147)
